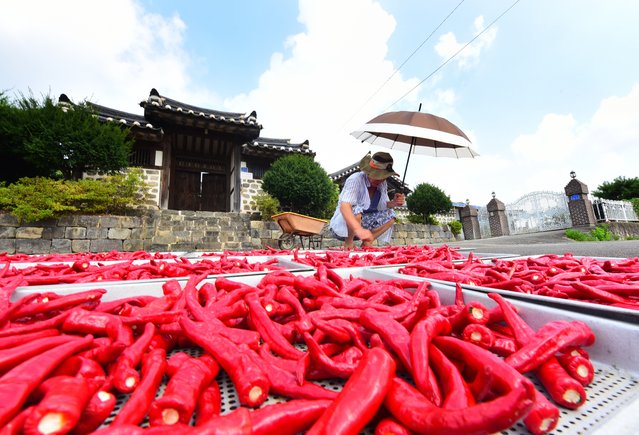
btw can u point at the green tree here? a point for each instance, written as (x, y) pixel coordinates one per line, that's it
(428, 200)
(301, 185)
(621, 188)
(56, 143)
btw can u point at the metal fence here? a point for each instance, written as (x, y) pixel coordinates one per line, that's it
(532, 213)
(608, 210)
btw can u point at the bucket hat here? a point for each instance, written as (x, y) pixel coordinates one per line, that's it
(379, 166)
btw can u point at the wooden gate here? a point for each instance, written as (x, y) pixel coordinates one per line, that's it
(198, 191)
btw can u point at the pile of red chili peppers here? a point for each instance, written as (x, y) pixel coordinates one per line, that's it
(85, 271)
(409, 364)
(607, 282)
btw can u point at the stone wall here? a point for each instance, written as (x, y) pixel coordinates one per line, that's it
(624, 230)
(250, 189)
(169, 230)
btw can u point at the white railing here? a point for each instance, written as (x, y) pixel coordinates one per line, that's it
(608, 210)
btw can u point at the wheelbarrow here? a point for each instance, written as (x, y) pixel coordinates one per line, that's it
(298, 226)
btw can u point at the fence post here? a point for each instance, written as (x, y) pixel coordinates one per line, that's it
(470, 222)
(580, 207)
(497, 218)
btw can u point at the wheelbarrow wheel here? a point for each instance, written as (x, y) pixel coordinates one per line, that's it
(286, 241)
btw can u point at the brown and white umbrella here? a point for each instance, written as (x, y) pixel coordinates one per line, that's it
(416, 133)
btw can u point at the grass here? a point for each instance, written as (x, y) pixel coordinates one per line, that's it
(600, 233)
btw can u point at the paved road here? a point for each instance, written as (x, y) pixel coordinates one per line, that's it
(550, 242)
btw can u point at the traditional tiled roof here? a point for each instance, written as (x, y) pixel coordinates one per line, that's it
(106, 114)
(166, 104)
(345, 172)
(277, 146)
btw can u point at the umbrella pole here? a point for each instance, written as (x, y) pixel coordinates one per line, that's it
(410, 151)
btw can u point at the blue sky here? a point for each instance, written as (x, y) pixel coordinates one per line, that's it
(551, 87)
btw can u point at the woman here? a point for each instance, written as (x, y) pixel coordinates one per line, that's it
(364, 211)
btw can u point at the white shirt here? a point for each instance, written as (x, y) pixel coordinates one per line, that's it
(355, 192)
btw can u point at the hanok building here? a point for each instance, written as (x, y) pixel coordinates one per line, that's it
(193, 157)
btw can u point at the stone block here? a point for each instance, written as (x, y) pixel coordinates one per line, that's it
(8, 246)
(164, 240)
(132, 245)
(130, 221)
(156, 247)
(119, 233)
(209, 246)
(68, 220)
(87, 221)
(75, 233)
(8, 220)
(61, 246)
(109, 222)
(80, 245)
(7, 232)
(53, 233)
(105, 245)
(29, 233)
(97, 233)
(33, 246)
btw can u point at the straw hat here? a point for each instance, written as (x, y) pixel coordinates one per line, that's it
(379, 166)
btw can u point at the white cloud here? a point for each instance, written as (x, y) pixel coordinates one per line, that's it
(469, 56)
(599, 149)
(554, 139)
(111, 53)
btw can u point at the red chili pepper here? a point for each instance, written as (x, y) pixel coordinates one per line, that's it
(14, 427)
(316, 288)
(420, 337)
(9, 342)
(99, 408)
(391, 331)
(209, 404)
(61, 407)
(287, 418)
(351, 411)
(125, 375)
(487, 417)
(456, 393)
(578, 367)
(250, 381)
(53, 322)
(268, 331)
(540, 350)
(543, 417)
(324, 362)
(480, 335)
(137, 406)
(19, 382)
(390, 426)
(182, 391)
(235, 422)
(563, 389)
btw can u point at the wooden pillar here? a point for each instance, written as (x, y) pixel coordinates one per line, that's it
(579, 206)
(470, 222)
(497, 218)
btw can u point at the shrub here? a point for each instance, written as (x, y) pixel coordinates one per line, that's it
(34, 199)
(415, 218)
(602, 233)
(455, 227)
(40, 139)
(428, 200)
(301, 185)
(267, 205)
(578, 235)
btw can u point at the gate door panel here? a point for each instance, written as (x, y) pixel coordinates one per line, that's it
(185, 191)
(213, 192)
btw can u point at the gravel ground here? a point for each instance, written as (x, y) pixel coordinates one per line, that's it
(550, 242)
